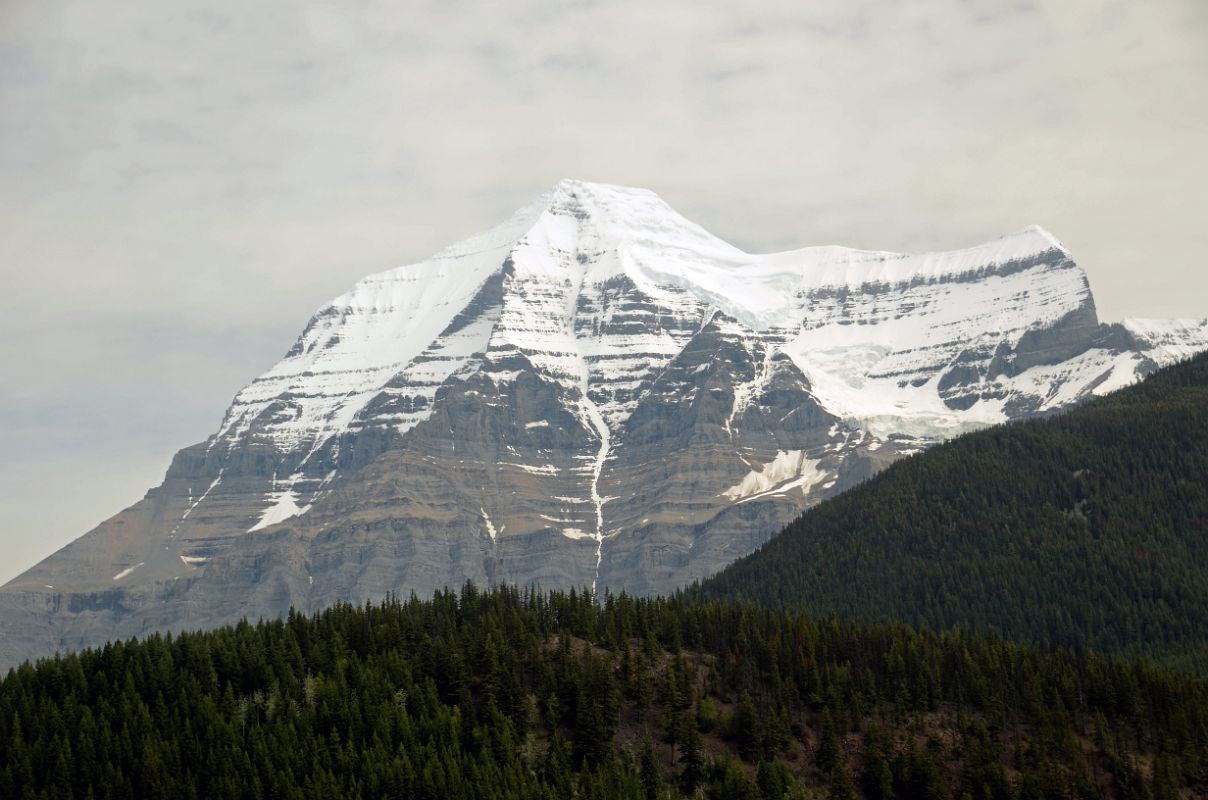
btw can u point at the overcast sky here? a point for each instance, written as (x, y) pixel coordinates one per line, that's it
(183, 183)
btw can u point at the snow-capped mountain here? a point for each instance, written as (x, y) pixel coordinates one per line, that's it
(596, 392)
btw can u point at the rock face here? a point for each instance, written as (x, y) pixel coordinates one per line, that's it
(595, 393)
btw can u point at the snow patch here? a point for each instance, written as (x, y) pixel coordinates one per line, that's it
(532, 469)
(204, 495)
(128, 570)
(284, 505)
(790, 469)
(1170, 340)
(486, 520)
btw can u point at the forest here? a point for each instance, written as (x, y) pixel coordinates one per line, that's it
(510, 694)
(1087, 529)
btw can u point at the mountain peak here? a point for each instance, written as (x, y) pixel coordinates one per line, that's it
(1033, 238)
(557, 252)
(616, 215)
(574, 186)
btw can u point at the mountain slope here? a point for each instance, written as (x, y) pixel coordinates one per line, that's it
(596, 392)
(1089, 529)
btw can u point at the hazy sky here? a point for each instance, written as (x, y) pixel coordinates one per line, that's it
(183, 183)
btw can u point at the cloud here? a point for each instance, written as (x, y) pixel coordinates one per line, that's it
(181, 184)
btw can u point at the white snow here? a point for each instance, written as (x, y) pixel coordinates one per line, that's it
(387, 328)
(745, 393)
(358, 342)
(128, 570)
(284, 504)
(213, 484)
(532, 469)
(193, 561)
(566, 247)
(1170, 340)
(593, 417)
(486, 520)
(765, 291)
(1061, 384)
(864, 351)
(790, 469)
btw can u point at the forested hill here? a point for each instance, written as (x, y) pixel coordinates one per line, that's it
(1086, 529)
(499, 695)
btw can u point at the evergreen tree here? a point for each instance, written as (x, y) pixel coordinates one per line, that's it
(693, 761)
(827, 756)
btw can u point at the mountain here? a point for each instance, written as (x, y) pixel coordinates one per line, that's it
(596, 392)
(552, 696)
(1087, 529)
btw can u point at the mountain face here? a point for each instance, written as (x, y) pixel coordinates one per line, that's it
(596, 392)
(1086, 530)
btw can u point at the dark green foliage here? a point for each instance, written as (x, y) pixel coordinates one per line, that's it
(773, 780)
(878, 777)
(728, 781)
(841, 786)
(827, 756)
(746, 731)
(651, 779)
(693, 761)
(507, 695)
(1087, 529)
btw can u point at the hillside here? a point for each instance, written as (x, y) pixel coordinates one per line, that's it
(1086, 529)
(498, 695)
